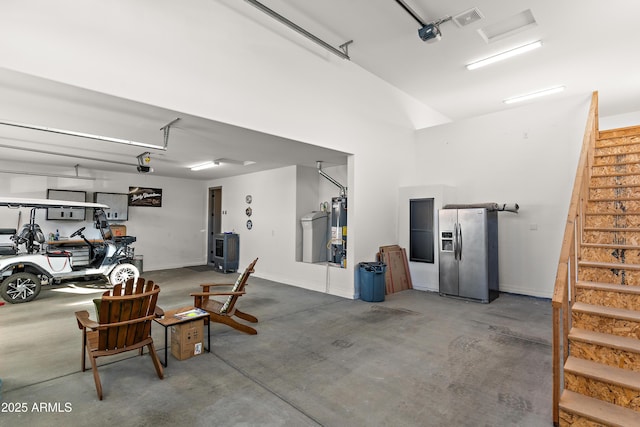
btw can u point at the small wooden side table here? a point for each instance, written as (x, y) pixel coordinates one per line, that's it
(169, 319)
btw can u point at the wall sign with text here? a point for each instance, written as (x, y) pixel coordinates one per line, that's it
(140, 196)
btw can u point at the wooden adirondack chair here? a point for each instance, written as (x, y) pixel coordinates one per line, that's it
(223, 312)
(124, 324)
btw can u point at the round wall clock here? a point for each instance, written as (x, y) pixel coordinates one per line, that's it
(248, 198)
(249, 224)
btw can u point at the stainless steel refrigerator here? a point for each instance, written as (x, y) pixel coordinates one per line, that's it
(469, 253)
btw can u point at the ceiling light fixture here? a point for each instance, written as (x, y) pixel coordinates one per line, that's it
(504, 55)
(532, 95)
(205, 165)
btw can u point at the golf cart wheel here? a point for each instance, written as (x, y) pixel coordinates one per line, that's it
(20, 287)
(123, 272)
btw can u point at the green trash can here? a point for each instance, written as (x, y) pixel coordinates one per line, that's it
(372, 281)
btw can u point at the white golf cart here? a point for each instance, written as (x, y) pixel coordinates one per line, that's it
(28, 261)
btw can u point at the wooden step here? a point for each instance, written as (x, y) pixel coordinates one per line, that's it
(609, 265)
(611, 350)
(612, 220)
(622, 159)
(610, 320)
(625, 254)
(610, 246)
(614, 193)
(578, 409)
(607, 383)
(609, 287)
(613, 206)
(622, 179)
(613, 174)
(602, 152)
(625, 132)
(607, 186)
(608, 294)
(609, 236)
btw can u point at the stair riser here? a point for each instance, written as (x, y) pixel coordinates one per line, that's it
(607, 325)
(612, 393)
(608, 298)
(597, 181)
(612, 237)
(613, 207)
(612, 221)
(567, 419)
(624, 143)
(615, 169)
(614, 193)
(606, 355)
(607, 275)
(621, 256)
(617, 158)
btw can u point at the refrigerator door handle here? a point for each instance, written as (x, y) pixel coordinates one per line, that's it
(459, 242)
(455, 241)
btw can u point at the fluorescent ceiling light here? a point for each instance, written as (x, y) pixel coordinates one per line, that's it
(504, 55)
(532, 95)
(206, 165)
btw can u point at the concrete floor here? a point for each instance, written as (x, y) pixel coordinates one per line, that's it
(416, 359)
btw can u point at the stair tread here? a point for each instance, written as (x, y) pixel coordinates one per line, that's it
(613, 312)
(606, 340)
(610, 175)
(613, 213)
(598, 410)
(615, 199)
(614, 265)
(609, 186)
(627, 289)
(626, 229)
(604, 373)
(626, 153)
(609, 245)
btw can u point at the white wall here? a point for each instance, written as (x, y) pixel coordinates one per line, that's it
(169, 237)
(528, 156)
(620, 121)
(273, 236)
(424, 276)
(208, 59)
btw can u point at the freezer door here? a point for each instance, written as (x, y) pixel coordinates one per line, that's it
(447, 228)
(473, 262)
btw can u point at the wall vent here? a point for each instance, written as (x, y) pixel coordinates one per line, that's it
(468, 17)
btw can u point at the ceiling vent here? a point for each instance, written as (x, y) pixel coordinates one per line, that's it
(508, 27)
(468, 17)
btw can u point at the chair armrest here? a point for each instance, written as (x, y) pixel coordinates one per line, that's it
(84, 322)
(216, 284)
(206, 294)
(159, 312)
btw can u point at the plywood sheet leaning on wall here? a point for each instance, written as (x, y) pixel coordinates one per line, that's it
(397, 276)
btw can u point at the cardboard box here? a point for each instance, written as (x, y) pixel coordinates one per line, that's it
(187, 339)
(118, 229)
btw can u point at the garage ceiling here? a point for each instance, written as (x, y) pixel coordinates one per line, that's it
(587, 45)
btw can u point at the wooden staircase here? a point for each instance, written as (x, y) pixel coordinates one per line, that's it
(601, 374)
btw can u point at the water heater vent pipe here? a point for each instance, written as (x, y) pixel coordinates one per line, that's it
(343, 189)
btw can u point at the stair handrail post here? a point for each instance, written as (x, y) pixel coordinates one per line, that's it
(567, 273)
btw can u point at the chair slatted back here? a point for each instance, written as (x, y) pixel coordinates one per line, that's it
(230, 303)
(126, 313)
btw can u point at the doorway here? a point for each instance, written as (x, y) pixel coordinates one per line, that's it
(215, 221)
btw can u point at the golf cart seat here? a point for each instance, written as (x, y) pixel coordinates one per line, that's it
(7, 248)
(124, 240)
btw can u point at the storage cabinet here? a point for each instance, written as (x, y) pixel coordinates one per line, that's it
(73, 214)
(118, 205)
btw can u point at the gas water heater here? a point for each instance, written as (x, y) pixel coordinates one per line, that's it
(338, 243)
